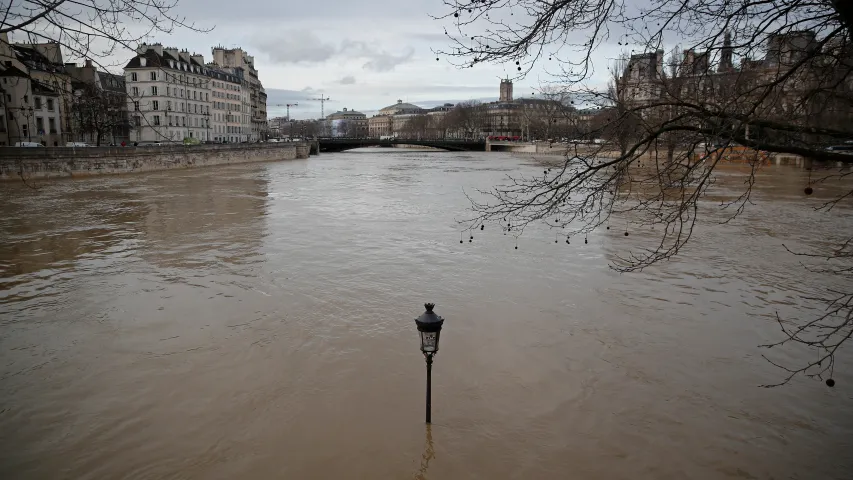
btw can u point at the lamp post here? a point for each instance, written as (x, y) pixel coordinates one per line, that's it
(429, 328)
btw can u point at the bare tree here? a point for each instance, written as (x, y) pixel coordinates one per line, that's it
(756, 79)
(550, 114)
(416, 127)
(467, 118)
(92, 30)
(98, 113)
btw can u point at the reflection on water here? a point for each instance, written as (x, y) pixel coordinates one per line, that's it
(429, 454)
(256, 321)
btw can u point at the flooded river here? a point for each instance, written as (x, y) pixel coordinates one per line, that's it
(256, 321)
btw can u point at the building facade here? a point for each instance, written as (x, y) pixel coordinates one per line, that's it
(798, 82)
(228, 120)
(47, 71)
(168, 95)
(254, 98)
(98, 106)
(36, 92)
(347, 123)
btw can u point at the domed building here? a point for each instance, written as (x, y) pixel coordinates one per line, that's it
(346, 115)
(401, 108)
(347, 123)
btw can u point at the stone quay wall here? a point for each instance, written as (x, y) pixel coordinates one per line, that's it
(59, 162)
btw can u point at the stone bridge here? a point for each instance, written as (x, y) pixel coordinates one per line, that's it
(340, 144)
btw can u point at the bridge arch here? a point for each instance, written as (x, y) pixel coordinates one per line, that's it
(341, 144)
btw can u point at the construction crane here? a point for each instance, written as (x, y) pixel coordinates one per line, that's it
(288, 105)
(322, 105)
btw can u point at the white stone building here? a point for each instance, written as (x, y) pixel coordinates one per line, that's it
(253, 97)
(227, 120)
(168, 95)
(32, 88)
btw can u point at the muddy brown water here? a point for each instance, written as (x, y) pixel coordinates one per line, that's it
(256, 321)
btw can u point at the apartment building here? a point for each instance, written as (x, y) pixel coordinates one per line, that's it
(34, 93)
(168, 95)
(254, 98)
(228, 121)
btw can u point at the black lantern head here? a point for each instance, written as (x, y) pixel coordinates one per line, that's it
(429, 327)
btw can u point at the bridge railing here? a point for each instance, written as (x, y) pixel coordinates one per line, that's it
(397, 140)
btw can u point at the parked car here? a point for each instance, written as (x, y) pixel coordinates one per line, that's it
(77, 144)
(28, 144)
(845, 149)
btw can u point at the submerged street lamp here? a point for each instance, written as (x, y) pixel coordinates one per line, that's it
(429, 328)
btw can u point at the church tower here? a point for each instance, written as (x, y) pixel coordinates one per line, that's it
(506, 90)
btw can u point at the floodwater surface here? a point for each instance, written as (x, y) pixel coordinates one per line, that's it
(256, 321)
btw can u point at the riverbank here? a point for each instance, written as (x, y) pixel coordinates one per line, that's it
(61, 162)
(556, 155)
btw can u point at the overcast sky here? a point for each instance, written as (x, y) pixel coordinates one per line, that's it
(363, 54)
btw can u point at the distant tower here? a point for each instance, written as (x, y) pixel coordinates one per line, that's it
(726, 54)
(506, 90)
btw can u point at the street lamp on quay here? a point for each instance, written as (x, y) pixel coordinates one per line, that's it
(429, 328)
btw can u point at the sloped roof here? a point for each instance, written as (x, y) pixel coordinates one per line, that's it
(42, 89)
(12, 71)
(34, 59)
(152, 59)
(400, 106)
(112, 82)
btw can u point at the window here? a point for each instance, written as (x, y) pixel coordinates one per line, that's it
(182, 107)
(156, 119)
(194, 95)
(52, 123)
(153, 75)
(195, 108)
(26, 99)
(167, 91)
(168, 104)
(8, 98)
(50, 104)
(137, 121)
(133, 77)
(25, 131)
(206, 98)
(182, 93)
(170, 120)
(39, 125)
(136, 106)
(155, 105)
(153, 90)
(38, 102)
(135, 92)
(184, 121)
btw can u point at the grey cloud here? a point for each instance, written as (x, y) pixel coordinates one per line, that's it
(436, 38)
(384, 61)
(306, 47)
(297, 47)
(278, 95)
(378, 59)
(348, 80)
